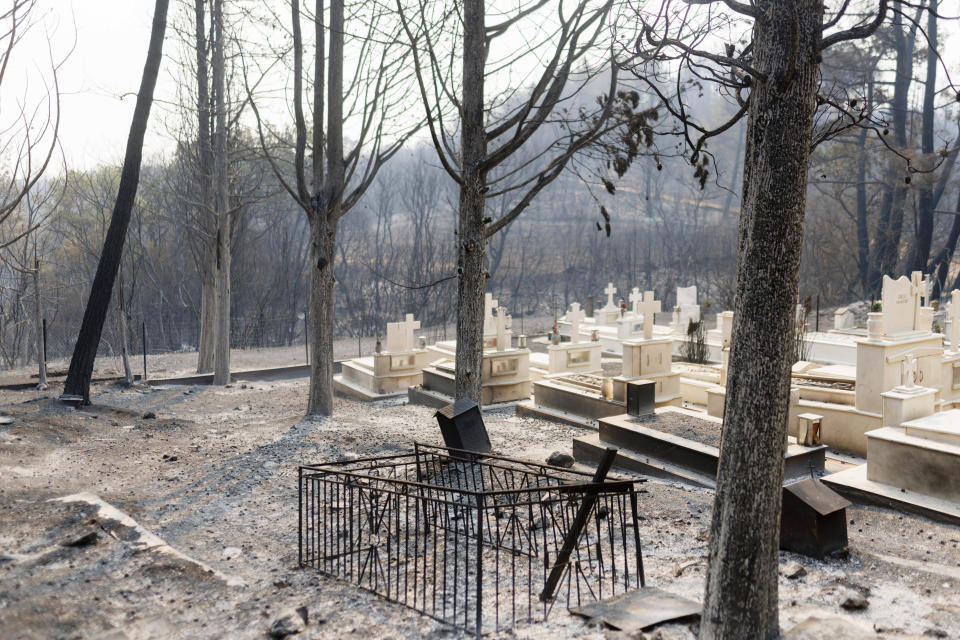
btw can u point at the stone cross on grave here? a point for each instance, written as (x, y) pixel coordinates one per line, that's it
(610, 290)
(635, 298)
(648, 307)
(400, 334)
(489, 304)
(955, 320)
(575, 316)
(503, 326)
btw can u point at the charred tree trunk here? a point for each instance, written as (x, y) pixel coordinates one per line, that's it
(741, 592)
(895, 193)
(863, 233)
(327, 209)
(925, 201)
(208, 307)
(221, 351)
(85, 350)
(208, 292)
(38, 324)
(471, 236)
(322, 247)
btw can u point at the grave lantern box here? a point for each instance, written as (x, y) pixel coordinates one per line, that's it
(641, 398)
(813, 520)
(461, 424)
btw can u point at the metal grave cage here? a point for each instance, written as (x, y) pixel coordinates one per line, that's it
(481, 542)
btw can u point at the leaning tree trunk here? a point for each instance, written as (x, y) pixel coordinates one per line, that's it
(741, 592)
(221, 349)
(471, 240)
(85, 350)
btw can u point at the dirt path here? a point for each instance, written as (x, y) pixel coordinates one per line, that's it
(214, 475)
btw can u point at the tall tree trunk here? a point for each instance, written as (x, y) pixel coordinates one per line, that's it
(221, 351)
(925, 204)
(471, 241)
(38, 323)
(863, 232)
(124, 336)
(85, 350)
(741, 591)
(323, 226)
(895, 192)
(208, 285)
(208, 306)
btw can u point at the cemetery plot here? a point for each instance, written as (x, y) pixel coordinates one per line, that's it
(677, 444)
(468, 540)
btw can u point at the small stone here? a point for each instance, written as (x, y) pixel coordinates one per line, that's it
(853, 600)
(243, 386)
(149, 415)
(231, 552)
(83, 540)
(558, 459)
(270, 464)
(289, 622)
(794, 570)
(827, 629)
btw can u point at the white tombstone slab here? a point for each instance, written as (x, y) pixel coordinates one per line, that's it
(725, 326)
(901, 305)
(575, 316)
(489, 304)
(648, 308)
(688, 309)
(844, 318)
(503, 329)
(400, 334)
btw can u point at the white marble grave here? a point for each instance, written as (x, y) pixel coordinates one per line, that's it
(391, 371)
(577, 355)
(686, 310)
(505, 374)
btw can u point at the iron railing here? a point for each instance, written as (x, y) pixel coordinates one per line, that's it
(470, 540)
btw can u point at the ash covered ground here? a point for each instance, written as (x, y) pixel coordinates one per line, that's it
(214, 475)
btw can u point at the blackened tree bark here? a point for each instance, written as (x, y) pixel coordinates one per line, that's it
(471, 237)
(925, 204)
(85, 350)
(775, 79)
(208, 285)
(890, 226)
(221, 349)
(741, 597)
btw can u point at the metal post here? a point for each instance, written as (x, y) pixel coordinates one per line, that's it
(44, 339)
(817, 329)
(479, 563)
(143, 334)
(579, 522)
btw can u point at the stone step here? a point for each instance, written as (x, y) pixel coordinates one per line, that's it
(927, 466)
(621, 431)
(589, 449)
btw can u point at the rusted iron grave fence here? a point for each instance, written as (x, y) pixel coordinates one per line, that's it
(479, 542)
